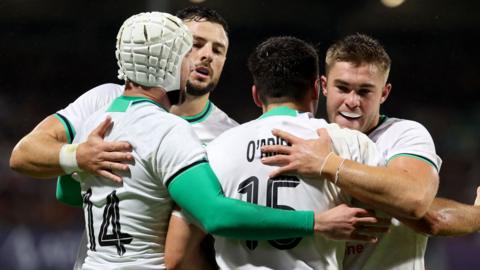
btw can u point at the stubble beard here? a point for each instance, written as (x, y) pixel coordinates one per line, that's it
(199, 91)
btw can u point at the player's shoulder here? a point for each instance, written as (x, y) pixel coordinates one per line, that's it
(233, 134)
(234, 131)
(222, 116)
(335, 131)
(100, 95)
(107, 89)
(156, 123)
(148, 111)
(393, 125)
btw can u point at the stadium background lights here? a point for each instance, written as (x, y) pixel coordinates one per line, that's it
(391, 3)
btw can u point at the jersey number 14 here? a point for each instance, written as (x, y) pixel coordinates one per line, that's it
(111, 217)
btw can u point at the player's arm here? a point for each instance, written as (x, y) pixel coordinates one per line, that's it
(38, 153)
(197, 191)
(183, 246)
(448, 218)
(405, 188)
(184, 251)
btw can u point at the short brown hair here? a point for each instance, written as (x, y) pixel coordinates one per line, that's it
(358, 48)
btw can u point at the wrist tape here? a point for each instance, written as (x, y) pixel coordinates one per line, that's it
(68, 158)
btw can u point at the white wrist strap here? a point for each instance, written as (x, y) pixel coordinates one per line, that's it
(337, 173)
(68, 158)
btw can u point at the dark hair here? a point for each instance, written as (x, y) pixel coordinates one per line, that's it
(283, 68)
(200, 13)
(358, 49)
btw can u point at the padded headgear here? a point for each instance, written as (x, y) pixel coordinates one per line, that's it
(150, 49)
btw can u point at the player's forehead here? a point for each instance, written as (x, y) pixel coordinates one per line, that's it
(361, 72)
(207, 31)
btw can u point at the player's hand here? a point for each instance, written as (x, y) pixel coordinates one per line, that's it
(477, 200)
(303, 157)
(353, 224)
(102, 158)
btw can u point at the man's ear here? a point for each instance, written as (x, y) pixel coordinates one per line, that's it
(323, 80)
(385, 92)
(316, 90)
(256, 97)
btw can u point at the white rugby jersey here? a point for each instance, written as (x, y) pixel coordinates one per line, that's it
(401, 248)
(235, 158)
(208, 124)
(127, 223)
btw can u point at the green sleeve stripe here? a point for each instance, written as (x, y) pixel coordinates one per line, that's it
(198, 192)
(69, 191)
(68, 127)
(415, 157)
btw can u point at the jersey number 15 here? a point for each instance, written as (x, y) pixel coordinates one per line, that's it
(250, 187)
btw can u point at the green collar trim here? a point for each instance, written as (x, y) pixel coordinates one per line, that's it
(382, 119)
(280, 111)
(121, 103)
(200, 116)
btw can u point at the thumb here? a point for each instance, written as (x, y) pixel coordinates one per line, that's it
(103, 127)
(322, 132)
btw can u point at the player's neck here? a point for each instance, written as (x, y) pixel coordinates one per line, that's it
(292, 105)
(192, 105)
(156, 94)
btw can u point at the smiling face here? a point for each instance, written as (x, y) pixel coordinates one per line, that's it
(354, 94)
(208, 55)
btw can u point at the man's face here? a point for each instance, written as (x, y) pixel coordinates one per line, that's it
(208, 55)
(354, 94)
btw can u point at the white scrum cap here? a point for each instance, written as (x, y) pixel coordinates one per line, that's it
(150, 49)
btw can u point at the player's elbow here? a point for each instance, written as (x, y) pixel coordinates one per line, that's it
(411, 205)
(430, 224)
(19, 163)
(416, 207)
(214, 226)
(216, 222)
(16, 162)
(419, 200)
(20, 157)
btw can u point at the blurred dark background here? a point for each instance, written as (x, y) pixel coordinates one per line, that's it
(52, 51)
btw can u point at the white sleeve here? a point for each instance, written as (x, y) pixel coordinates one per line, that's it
(179, 150)
(78, 111)
(412, 138)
